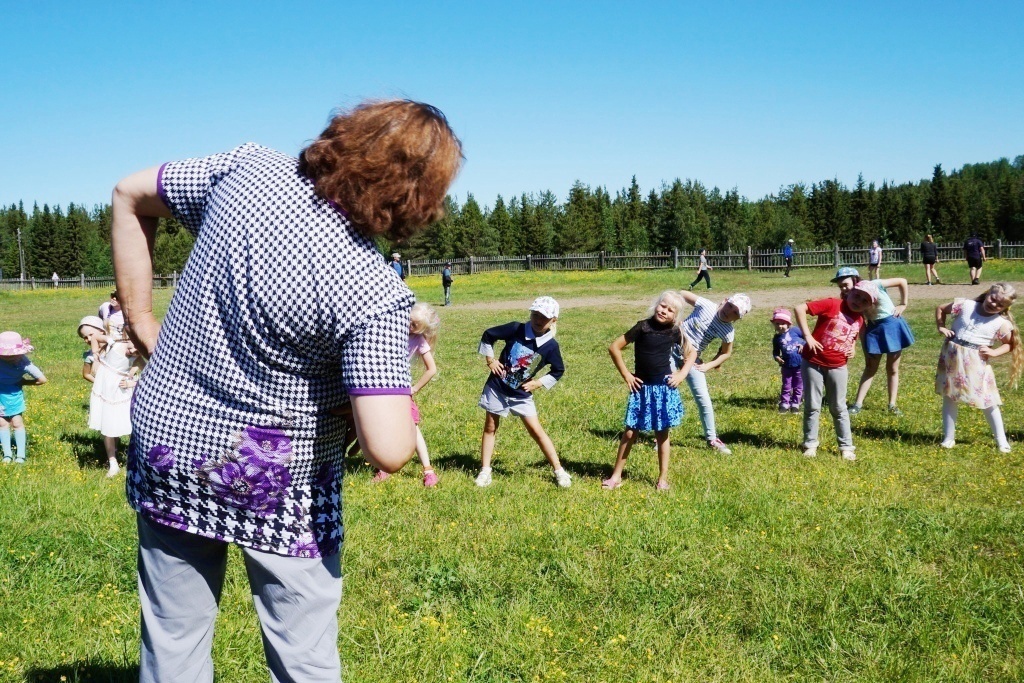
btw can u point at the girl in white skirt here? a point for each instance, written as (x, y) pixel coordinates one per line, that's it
(964, 374)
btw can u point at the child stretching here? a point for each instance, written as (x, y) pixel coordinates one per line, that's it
(885, 331)
(423, 326)
(654, 403)
(824, 366)
(14, 365)
(964, 375)
(528, 347)
(113, 371)
(787, 344)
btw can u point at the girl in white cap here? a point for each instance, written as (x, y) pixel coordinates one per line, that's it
(706, 323)
(513, 379)
(14, 365)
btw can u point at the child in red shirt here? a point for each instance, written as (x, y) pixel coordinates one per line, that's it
(832, 342)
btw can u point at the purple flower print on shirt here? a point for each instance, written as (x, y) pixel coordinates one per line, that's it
(161, 458)
(304, 546)
(266, 445)
(247, 483)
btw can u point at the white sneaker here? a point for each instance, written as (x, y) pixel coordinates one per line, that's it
(848, 454)
(948, 444)
(484, 478)
(563, 478)
(1005, 448)
(719, 446)
(811, 452)
(113, 470)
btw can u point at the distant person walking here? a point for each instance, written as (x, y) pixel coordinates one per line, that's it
(787, 254)
(55, 279)
(874, 260)
(974, 252)
(929, 255)
(396, 265)
(446, 283)
(703, 268)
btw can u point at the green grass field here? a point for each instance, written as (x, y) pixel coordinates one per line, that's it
(763, 565)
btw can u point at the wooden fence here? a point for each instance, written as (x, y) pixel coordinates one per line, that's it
(750, 259)
(80, 282)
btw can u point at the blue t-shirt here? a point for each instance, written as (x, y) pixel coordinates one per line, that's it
(11, 374)
(787, 251)
(788, 346)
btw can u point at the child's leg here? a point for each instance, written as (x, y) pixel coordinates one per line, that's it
(835, 394)
(422, 452)
(543, 440)
(5, 438)
(995, 423)
(625, 446)
(950, 407)
(20, 437)
(698, 384)
(786, 395)
(871, 362)
(111, 443)
(814, 383)
(664, 449)
(798, 386)
(491, 423)
(892, 370)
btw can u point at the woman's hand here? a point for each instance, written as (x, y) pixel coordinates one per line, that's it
(144, 333)
(633, 382)
(946, 332)
(496, 368)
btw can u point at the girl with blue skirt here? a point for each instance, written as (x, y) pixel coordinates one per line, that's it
(654, 403)
(887, 332)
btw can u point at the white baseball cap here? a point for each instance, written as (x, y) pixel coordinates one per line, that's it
(546, 306)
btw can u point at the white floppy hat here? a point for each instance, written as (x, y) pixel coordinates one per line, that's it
(546, 306)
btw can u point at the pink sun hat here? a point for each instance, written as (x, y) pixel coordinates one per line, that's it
(781, 315)
(11, 344)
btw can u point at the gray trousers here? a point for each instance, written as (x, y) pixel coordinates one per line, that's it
(180, 581)
(830, 383)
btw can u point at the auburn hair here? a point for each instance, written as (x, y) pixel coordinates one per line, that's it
(387, 164)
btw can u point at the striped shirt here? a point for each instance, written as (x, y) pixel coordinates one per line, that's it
(704, 326)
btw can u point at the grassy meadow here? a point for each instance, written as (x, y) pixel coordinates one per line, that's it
(762, 565)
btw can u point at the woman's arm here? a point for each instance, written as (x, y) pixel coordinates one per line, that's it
(136, 206)
(428, 373)
(385, 429)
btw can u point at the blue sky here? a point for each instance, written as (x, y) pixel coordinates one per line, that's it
(748, 95)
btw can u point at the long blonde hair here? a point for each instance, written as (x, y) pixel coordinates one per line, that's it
(1004, 291)
(424, 320)
(676, 299)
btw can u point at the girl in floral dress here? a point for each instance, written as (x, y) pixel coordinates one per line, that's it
(964, 374)
(654, 403)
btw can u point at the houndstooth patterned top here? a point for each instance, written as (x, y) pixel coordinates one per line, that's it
(283, 310)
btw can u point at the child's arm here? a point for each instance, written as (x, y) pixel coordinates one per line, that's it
(940, 320)
(777, 350)
(801, 320)
(724, 352)
(901, 284)
(428, 373)
(87, 372)
(556, 368)
(38, 378)
(688, 296)
(615, 351)
(987, 352)
(487, 340)
(679, 375)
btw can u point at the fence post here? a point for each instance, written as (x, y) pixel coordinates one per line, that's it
(472, 267)
(33, 283)
(675, 258)
(908, 252)
(82, 280)
(529, 261)
(174, 280)
(600, 260)
(835, 254)
(999, 248)
(750, 258)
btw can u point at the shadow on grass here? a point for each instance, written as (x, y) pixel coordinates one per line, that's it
(87, 449)
(757, 402)
(581, 468)
(75, 672)
(731, 437)
(895, 433)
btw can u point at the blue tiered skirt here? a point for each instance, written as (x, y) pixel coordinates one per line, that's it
(654, 408)
(888, 335)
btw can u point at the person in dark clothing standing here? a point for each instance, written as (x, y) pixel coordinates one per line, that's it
(974, 252)
(703, 270)
(446, 283)
(787, 254)
(929, 255)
